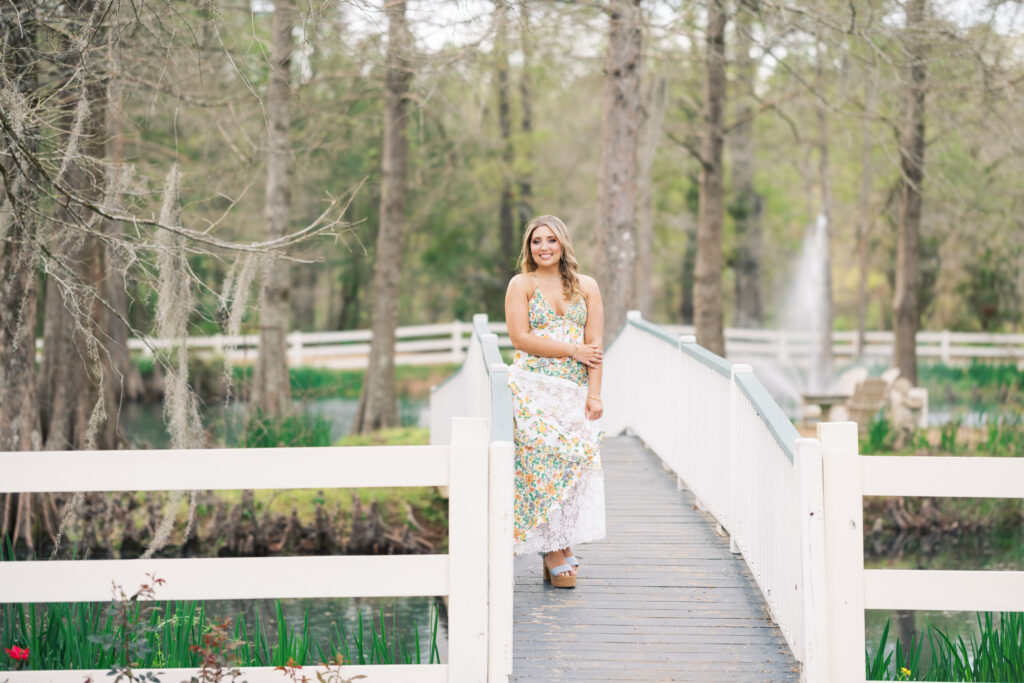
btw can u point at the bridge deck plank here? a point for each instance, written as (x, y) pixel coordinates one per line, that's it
(661, 598)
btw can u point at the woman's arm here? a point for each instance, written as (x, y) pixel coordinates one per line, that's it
(592, 333)
(517, 317)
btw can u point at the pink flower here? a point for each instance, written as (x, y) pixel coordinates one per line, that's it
(17, 653)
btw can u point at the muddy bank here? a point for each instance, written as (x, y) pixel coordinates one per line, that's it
(122, 526)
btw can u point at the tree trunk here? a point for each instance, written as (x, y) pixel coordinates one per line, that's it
(526, 105)
(304, 296)
(912, 174)
(19, 409)
(126, 377)
(76, 388)
(745, 208)
(864, 218)
(687, 275)
(707, 290)
(822, 373)
(650, 132)
(616, 231)
(506, 220)
(271, 388)
(378, 407)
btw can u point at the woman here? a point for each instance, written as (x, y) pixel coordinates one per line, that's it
(554, 320)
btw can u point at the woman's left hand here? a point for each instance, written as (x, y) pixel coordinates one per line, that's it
(594, 408)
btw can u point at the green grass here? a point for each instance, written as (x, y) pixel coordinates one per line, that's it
(996, 655)
(143, 633)
(298, 430)
(399, 436)
(978, 385)
(66, 635)
(411, 381)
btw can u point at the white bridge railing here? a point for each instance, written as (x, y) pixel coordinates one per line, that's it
(793, 506)
(476, 469)
(447, 343)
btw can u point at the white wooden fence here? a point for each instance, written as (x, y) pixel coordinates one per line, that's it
(789, 346)
(448, 342)
(476, 469)
(793, 506)
(848, 477)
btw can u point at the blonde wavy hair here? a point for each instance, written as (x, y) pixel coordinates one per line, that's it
(567, 264)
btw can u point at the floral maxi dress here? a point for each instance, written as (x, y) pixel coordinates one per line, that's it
(559, 485)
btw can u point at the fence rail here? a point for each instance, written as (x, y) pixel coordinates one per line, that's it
(476, 470)
(448, 343)
(848, 477)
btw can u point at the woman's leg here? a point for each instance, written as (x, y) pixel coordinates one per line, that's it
(554, 559)
(567, 552)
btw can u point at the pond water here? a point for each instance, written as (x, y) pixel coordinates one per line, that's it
(143, 423)
(328, 616)
(144, 426)
(989, 551)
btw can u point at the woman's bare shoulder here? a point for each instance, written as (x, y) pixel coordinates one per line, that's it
(521, 282)
(588, 285)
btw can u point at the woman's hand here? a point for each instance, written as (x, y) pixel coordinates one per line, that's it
(594, 409)
(590, 355)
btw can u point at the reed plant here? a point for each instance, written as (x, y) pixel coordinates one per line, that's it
(64, 635)
(995, 655)
(139, 632)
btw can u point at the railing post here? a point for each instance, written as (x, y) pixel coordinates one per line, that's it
(501, 403)
(457, 354)
(844, 550)
(812, 560)
(631, 365)
(736, 497)
(296, 349)
(467, 534)
(500, 581)
(945, 345)
(683, 409)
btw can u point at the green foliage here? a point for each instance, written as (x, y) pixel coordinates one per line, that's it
(979, 385)
(399, 436)
(879, 436)
(66, 635)
(996, 655)
(290, 430)
(948, 435)
(137, 632)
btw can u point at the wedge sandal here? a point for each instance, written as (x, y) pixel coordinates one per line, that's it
(564, 581)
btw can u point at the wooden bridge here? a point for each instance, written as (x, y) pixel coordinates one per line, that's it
(734, 547)
(660, 598)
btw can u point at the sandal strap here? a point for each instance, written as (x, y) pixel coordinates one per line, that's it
(572, 561)
(560, 569)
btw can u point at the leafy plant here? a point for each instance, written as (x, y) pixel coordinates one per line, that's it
(996, 655)
(879, 435)
(288, 431)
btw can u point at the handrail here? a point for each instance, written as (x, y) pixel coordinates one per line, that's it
(769, 411)
(497, 374)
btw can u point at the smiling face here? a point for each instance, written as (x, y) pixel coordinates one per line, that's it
(545, 247)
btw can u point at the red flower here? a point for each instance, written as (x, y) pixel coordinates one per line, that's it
(17, 653)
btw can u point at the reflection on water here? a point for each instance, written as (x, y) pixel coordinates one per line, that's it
(989, 550)
(143, 423)
(329, 616)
